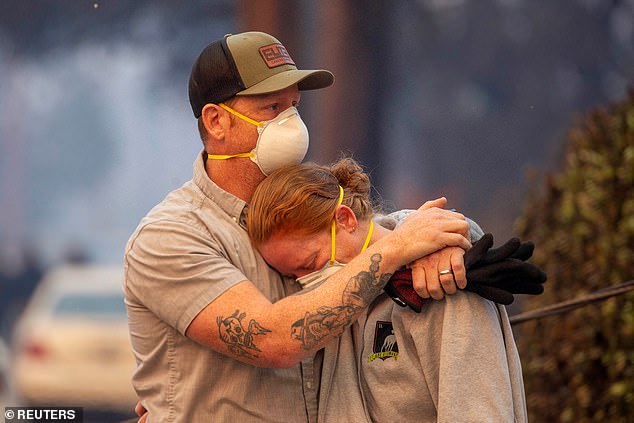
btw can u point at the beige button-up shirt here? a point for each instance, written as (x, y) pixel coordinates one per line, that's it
(185, 253)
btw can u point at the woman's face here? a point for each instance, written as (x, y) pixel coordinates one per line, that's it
(296, 254)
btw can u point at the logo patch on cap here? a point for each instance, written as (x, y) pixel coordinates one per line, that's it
(276, 55)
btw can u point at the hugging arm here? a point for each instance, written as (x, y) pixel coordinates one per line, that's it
(493, 273)
(442, 272)
(245, 325)
(242, 323)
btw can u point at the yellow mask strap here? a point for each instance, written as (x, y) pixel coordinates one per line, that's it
(367, 238)
(240, 115)
(333, 231)
(230, 156)
(250, 154)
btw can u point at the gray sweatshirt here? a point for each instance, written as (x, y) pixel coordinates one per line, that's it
(456, 361)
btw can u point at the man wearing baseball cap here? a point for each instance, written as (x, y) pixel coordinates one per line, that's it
(210, 321)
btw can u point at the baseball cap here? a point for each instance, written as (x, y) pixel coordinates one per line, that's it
(248, 63)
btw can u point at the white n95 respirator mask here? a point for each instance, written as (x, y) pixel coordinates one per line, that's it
(282, 141)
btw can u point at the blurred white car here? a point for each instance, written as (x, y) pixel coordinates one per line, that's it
(71, 345)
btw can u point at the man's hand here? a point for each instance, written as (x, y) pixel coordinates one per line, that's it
(429, 229)
(493, 273)
(430, 276)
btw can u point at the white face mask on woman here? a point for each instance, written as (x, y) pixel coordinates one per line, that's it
(318, 276)
(282, 141)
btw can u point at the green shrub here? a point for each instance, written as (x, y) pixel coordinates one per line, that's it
(579, 366)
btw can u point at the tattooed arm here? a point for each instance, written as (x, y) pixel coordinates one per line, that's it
(245, 325)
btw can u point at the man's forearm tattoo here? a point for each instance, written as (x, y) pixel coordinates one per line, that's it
(359, 292)
(239, 339)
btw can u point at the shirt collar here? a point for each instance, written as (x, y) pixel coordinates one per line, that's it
(229, 203)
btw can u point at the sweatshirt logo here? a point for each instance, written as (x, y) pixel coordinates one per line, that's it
(385, 345)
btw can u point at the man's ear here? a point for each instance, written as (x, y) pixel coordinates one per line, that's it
(345, 218)
(214, 121)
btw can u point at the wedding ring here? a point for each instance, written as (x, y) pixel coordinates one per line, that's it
(445, 272)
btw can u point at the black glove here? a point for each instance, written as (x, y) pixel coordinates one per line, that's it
(493, 273)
